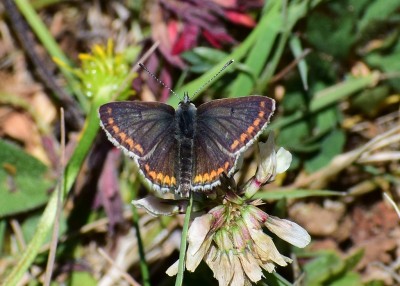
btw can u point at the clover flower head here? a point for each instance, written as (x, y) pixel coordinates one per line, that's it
(230, 236)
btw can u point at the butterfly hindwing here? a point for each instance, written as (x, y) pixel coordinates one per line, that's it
(159, 167)
(209, 162)
(225, 129)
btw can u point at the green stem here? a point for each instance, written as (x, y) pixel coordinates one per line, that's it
(143, 265)
(182, 251)
(87, 136)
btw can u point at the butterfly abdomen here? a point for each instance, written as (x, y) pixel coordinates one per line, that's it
(185, 126)
(185, 166)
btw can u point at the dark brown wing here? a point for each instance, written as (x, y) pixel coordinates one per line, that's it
(225, 129)
(145, 131)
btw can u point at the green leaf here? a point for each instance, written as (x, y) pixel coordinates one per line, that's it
(3, 225)
(82, 278)
(292, 135)
(297, 50)
(294, 101)
(30, 224)
(328, 269)
(331, 146)
(387, 62)
(377, 11)
(354, 259)
(359, 6)
(327, 120)
(374, 283)
(24, 182)
(294, 194)
(323, 267)
(333, 35)
(348, 279)
(209, 55)
(368, 100)
(342, 91)
(274, 279)
(295, 133)
(259, 53)
(202, 59)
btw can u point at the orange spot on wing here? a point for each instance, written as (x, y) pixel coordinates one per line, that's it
(167, 180)
(153, 175)
(115, 129)
(160, 177)
(197, 179)
(243, 137)
(129, 141)
(262, 104)
(110, 121)
(250, 130)
(207, 177)
(256, 122)
(234, 144)
(139, 148)
(109, 110)
(226, 165)
(213, 175)
(122, 135)
(261, 114)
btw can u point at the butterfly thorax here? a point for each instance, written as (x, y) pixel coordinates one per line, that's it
(185, 131)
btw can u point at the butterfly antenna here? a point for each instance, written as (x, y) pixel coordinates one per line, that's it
(211, 79)
(157, 79)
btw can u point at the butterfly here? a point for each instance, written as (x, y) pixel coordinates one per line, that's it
(189, 148)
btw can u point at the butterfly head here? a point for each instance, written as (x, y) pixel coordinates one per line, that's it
(186, 99)
(186, 103)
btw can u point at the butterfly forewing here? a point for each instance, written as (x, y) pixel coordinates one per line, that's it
(225, 128)
(137, 126)
(236, 122)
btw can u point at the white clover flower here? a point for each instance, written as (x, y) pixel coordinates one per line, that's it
(271, 163)
(230, 237)
(231, 241)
